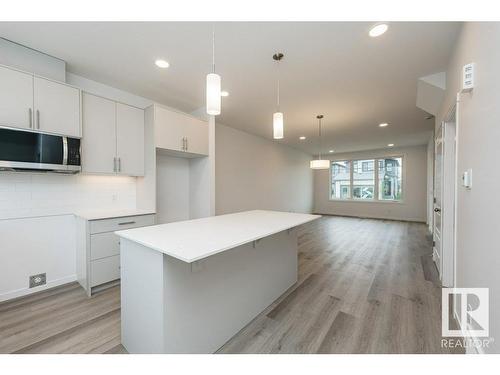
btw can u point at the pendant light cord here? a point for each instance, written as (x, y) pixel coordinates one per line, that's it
(319, 139)
(213, 49)
(278, 93)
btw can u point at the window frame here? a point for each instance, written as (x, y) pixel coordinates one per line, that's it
(375, 199)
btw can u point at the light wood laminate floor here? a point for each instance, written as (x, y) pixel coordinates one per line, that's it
(365, 286)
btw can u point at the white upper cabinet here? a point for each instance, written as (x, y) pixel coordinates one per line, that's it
(16, 98)
(130, 140)
(169, 129)
(57, 107)
(180, 132)
(197, 137)
(99, 135)
(113, 137)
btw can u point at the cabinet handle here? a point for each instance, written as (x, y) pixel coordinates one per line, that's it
(127, 223)
(37, 119)
(187, 144)
(30, 112)
(114, 164)
(119, 164)
(183, 144)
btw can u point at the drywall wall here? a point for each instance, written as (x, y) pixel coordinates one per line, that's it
(30, 60)
(413, 207)
(478, 134)
(256, 173)
(172, 188)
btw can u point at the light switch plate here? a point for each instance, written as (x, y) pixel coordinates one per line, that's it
(467, 179)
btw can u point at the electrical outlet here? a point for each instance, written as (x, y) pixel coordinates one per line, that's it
(37, 280)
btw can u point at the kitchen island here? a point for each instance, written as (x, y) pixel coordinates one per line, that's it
(189, 286)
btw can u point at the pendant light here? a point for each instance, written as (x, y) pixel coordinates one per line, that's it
(213, 86)
(319, 163)
(278, 116)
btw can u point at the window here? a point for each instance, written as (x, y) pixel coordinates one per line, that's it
(341, 180)
(363, 179)
(360, 180)
(389, 179)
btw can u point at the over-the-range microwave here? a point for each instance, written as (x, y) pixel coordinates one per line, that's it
(27, 150)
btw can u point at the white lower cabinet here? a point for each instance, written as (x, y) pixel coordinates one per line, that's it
(98, 249)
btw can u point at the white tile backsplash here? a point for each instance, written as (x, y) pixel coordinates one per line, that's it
(35, 194)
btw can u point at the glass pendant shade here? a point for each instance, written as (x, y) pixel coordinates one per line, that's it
(320, 164)
(213, 94)
(278, 125)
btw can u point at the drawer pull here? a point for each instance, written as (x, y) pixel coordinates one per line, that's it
(127, 223)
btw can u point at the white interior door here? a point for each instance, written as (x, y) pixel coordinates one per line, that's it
(444, 202)
(438, 198)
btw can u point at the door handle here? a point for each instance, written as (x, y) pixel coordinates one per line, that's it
(437, 210)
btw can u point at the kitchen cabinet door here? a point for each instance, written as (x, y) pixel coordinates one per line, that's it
(16, 98)
(197, 137)
(57, 107)
(99, 135)
(130, 140)
(170, 129)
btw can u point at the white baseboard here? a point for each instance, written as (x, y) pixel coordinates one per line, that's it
(379, 217)
(25, 291)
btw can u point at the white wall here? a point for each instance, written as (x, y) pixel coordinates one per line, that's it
(413, 207)
(30, 60)
(478, 135)
(172, 188)
(256, 173)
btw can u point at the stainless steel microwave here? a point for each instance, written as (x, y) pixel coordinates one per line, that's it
(26, 150)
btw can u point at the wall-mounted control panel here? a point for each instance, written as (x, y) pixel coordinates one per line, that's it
(468, 77)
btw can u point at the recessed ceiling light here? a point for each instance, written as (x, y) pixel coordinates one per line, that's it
(224, 93)
(162, 63)
(378, 30)
(330, 151)
(383, 125)
(390, 145)
(302, 138)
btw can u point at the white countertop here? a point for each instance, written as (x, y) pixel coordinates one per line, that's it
(194, 240)
(108, 214)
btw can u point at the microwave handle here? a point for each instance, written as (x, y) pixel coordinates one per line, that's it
(65, 150)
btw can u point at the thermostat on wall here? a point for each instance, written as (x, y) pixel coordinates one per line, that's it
(468, 77)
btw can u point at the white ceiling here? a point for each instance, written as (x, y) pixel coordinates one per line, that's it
(333, 68)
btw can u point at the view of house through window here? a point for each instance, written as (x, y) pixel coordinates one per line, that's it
(341, 179)
(363, 179)
(366, 182)
(389, 178)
